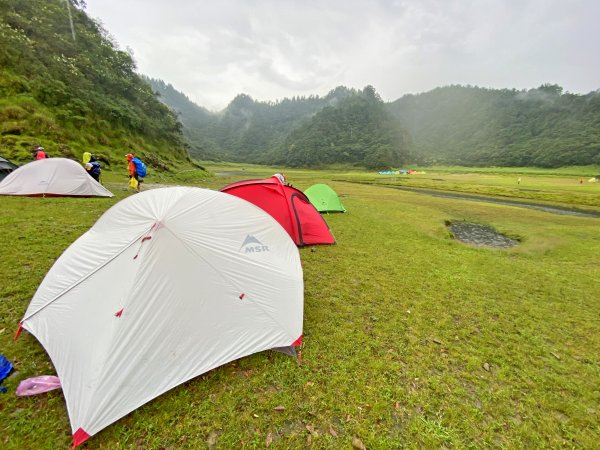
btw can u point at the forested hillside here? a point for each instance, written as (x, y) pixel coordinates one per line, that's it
(345, 126)
(193, 117)
(70, 89)
(246, 130)
(472, 126)
(359, 131)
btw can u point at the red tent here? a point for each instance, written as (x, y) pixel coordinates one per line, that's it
(289, 206)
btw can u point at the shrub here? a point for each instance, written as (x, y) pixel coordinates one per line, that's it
(42, 123)
(12, 127)
(12, 112)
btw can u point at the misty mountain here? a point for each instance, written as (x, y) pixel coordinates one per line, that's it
(193, 118)
(473, 126)
(246, 130)
(462, 125)
(346, 125)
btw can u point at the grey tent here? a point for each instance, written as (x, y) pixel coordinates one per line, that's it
(6, 167)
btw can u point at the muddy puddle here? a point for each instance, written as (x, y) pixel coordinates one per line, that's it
(479, 235)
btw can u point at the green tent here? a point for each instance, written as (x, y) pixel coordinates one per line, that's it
(324, 198)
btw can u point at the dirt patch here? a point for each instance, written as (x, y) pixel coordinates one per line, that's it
(479, 235)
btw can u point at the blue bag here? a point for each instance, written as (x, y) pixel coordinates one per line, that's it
(140, 167)
(5, 367)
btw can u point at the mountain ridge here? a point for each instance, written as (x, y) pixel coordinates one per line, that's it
(465, 125)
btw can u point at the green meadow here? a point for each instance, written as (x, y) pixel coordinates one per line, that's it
(411, 338)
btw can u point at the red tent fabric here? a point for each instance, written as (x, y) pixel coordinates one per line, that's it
(289, 206)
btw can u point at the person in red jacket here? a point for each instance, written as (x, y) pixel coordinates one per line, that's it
(133, 171)
(39, 153)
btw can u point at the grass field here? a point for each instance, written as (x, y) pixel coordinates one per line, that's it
(411, 339)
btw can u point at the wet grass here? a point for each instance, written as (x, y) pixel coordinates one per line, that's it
(541, 188)
(412, 340)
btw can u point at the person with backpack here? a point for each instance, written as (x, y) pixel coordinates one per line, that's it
(137, 171)
(94, 168)
(39, 153)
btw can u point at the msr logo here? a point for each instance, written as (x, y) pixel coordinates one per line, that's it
(253, 245)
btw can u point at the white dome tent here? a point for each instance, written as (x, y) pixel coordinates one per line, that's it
(52, 177)
(168, 284)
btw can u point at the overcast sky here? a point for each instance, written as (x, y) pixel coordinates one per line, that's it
(271, 49)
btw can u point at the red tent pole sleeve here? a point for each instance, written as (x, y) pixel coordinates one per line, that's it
(18, 332)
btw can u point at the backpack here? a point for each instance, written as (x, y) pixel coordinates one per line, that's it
(95, 170)
(140, 167)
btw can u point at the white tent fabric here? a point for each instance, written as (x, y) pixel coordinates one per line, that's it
(168, 284)
(52, 177)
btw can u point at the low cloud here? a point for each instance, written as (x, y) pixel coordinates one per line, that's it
(270, 49)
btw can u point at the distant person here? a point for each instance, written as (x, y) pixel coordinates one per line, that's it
(519, 180)
(39, 153)
(94, 168)
(581, 181)
(137, 171)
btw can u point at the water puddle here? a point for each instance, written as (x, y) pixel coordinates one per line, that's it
(479, 235)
